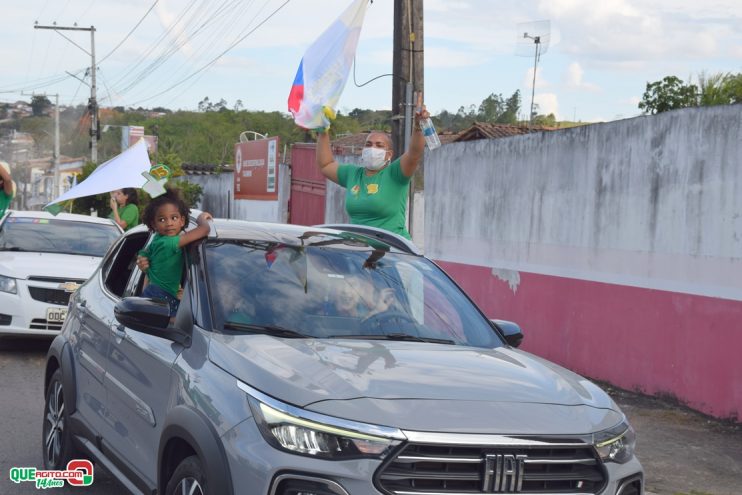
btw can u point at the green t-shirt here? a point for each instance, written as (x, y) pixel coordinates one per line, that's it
(4, 201)
(165, 262)
(377, 201)
(129, 214)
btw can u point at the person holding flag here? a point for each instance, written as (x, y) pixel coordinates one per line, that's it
(376, 193)
(7, 188)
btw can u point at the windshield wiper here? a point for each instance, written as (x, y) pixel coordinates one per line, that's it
(12, 248)
(266, 329)
(395, 336)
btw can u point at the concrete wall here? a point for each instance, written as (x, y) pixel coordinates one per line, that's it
(617, 247)
(218, 198)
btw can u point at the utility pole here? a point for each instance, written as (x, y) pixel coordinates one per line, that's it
(56, 146)
(55, 182)
(93, 102)
(408, 70)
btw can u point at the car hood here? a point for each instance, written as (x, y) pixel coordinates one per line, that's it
(419, 386)
(53, 265)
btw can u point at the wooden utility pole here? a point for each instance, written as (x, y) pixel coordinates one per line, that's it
(408, 64)
(408, 70)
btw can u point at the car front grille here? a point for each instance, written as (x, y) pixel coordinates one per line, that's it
(51, 296)
(450, 469)
(42, 324)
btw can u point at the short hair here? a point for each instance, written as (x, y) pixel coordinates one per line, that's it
(132, 198)
(171, 196)
(387, 137)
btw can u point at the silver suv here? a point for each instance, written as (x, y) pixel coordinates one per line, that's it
(322, 361)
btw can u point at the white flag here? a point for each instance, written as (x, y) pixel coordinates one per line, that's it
(124, 170)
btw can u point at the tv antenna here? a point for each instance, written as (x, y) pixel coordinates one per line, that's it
(533, 39)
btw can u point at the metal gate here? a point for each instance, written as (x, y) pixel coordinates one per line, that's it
(307, 200)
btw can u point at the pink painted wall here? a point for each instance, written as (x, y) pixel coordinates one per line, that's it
(649, 340)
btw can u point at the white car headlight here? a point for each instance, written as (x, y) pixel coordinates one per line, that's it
(316, 435)
(7, 284)
(616, 444)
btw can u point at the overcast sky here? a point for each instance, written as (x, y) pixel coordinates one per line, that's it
(600, 56)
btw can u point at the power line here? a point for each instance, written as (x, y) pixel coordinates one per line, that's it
(156, 43)
(174, 46)
(214, 38)
(130, 32)
(209, 64)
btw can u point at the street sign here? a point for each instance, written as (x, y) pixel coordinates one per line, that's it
(256, 169)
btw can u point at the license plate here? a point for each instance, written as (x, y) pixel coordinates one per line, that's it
(56, 315)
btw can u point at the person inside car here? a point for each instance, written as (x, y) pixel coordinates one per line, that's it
(166, 216)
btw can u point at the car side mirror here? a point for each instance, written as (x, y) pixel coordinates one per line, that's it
(511, 331)
(150, 316)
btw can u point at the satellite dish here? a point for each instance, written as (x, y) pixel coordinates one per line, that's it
(533, 41)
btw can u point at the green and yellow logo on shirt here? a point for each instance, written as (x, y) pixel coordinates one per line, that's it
(372, 188)
(355, 190)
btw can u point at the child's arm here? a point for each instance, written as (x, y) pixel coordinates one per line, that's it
(199, 232)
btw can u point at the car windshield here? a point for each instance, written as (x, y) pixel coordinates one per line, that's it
(327, 292)
(50, 235)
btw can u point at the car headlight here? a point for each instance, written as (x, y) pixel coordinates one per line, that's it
(616, 444)
(317, 435)
(7, 284)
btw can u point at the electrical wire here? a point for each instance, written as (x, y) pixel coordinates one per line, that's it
(130, 32)
(212, 62)
(176, 45)
(129, 71)
(370, 80)
(214, 39)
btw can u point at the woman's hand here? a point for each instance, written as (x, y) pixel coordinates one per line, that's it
(114, 204)
(421, 113)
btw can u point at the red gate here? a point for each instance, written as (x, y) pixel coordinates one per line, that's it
(307, 200)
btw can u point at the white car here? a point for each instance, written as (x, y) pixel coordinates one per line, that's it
(43, 259)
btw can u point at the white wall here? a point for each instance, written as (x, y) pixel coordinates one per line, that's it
(653, 201)
(218, 198)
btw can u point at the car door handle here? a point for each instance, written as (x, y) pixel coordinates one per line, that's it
(82, 308)
(119, 331)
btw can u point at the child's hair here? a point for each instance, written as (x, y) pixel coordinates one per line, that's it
(172, 196)
(131, 195)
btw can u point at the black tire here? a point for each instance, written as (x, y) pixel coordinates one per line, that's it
(188, 478)
(56, 438)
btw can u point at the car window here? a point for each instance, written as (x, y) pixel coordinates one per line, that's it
(326, 292)
(122, 263)
(47, 235)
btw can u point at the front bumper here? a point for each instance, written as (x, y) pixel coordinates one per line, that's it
(25, 312)
(255, 463)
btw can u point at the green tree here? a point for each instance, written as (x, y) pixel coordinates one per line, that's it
(668, 94)
(720, 88)
(85, 205)
(39, 105)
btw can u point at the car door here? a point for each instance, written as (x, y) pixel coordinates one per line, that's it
(138, 383)
(90, 335)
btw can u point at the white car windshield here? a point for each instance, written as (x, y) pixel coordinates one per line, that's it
(326, 292)
(49, 235)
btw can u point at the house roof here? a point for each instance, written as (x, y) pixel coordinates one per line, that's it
(205, 168)
(486, 130)
(353, 144)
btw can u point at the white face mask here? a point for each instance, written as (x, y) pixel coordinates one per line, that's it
(373, 158)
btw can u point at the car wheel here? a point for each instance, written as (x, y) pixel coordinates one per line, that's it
(188, 478)
(57, 440)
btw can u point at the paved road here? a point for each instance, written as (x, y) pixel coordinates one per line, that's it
(21, 410)
(682, 452)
